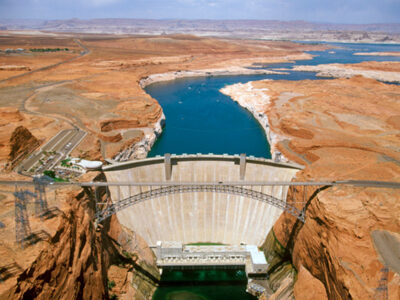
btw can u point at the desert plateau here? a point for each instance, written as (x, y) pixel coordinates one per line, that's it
(107, 193)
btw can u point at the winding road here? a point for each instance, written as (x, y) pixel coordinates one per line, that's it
(45, 68)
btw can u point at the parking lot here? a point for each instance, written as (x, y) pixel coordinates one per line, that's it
(50, 154)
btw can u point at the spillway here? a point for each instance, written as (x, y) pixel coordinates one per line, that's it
(200, 216)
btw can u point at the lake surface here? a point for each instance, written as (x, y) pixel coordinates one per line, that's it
(199, 119)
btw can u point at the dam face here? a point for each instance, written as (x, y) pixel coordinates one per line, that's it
(200, 216)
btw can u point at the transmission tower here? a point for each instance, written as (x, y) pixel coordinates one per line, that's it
(41, 200)
(22, 227)
(382, 290)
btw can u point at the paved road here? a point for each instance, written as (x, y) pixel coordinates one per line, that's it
(83, 53)
(59, 140)
(57, 148)
(377, 184)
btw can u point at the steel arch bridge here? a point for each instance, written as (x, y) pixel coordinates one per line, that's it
(193, 188)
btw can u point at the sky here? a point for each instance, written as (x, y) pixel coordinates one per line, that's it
(326, 11)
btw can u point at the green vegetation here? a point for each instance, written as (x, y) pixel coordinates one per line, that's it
(131, 256)
(66, 162)
(127, 254)
(48, 49)
(52, 174)
(111, 284)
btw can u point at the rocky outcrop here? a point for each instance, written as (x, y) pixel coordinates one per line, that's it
(257, 102)
(334, 243)
(90, 149)
(148, 117)
(308, 287)
(21, 143)
(114, 149)
(132, 281)
(76, 262)
(347, 71)
(74, 265)
(340, 130)
(14, 68)
(285, 290)
(114, 124)
(140, 149)
(110, 138)
(10, 115)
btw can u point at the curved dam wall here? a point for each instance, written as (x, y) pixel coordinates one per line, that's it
(200, 216)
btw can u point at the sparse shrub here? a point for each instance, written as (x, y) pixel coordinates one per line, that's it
(114, 297)
(111, 284)
(127, 254)
(50, 173)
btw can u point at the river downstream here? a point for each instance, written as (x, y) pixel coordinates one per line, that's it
(199, 119)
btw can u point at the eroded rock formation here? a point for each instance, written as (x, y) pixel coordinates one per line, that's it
(339, 129)
(383, 71)
(21, 143)
(76, 262)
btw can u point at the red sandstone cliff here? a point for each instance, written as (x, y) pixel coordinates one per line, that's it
(21, 143)
(340, 130)
(76, 262)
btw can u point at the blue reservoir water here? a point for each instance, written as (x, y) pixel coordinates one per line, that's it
(199, 119)
(202, 120)
(343, 53)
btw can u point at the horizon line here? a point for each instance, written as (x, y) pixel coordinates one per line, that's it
(195, 19)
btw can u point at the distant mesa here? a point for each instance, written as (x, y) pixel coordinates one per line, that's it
(394, 53)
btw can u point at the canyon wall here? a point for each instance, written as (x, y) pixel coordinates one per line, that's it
(77, 260)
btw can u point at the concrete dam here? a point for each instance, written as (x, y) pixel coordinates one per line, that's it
(191, 216)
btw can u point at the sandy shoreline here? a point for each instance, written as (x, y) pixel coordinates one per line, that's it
(232, 68)
(256, 102)
(231, 71)
(377, 53)
(343, 71)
